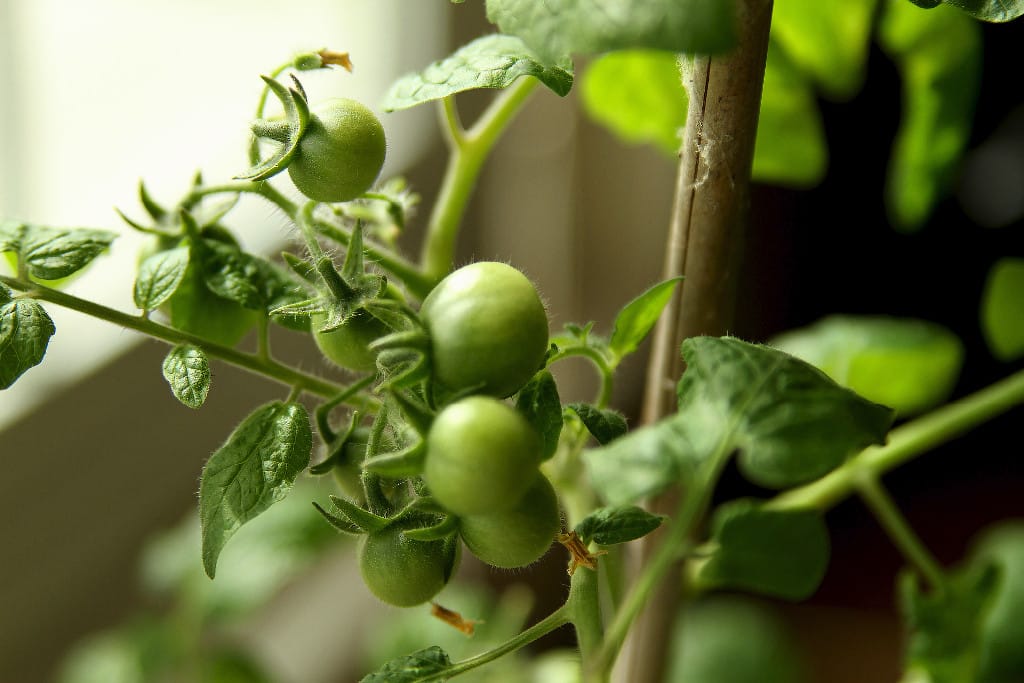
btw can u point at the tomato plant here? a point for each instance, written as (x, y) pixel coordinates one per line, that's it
(454, 429)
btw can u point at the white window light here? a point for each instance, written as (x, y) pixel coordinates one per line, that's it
(100, 94)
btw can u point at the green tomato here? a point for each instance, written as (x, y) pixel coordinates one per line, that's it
(488, 329)
(404, 572)
(482, 456)
(519, 536)
(348, 346)
(195, 309)
(340, 153)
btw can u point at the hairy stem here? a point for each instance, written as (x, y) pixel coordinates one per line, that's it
(386, 259)
(249, 361)
(560, 617)
(469, 150)
(585, 606)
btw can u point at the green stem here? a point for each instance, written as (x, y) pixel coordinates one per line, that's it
(469, 150)
(900, 531)
(263, 338)
(262, 189)
(560, 617)
(419, 285)
(907, 442)
(585, 608)
(672, 545)
(605, 371)
(253, 362)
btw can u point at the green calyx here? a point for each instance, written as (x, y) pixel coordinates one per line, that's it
(288, 132)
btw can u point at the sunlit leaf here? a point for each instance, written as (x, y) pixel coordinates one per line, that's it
(637, 94)
(557, 28)
(938, 54)
(827, 40)
(493, 61)
(908, 365)
(1002, 309)
(790, 148)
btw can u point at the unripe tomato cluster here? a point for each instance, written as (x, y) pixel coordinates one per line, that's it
(489, 334)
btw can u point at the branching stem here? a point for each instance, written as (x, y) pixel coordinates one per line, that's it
(249, 361)
(469, 149)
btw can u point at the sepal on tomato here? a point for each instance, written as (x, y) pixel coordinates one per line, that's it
(297, 116)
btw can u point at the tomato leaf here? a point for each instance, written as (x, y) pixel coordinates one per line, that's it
(53, 253)
(637, 317)
(603, 425)
(938, 54)
(612, 525)
(493, 61)
(986, 10)
(790, 148)
(419, 665)
(10, 235)
(231, 274)
(909, 365)
(826, 40)
(557, 28)
(538, 401)
(159, 277)
(945, 626)
(254, 469)
(781, 553)
(638, 95)
(252, 282)
(640, 464)
(733, 640)
(25, 331)
(187, 371)
(1002, 631)
(790, 422)
(1002, 309)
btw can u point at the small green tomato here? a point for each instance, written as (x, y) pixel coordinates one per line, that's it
(340, 153)
(348, 346)
(404, 572)
(482, 456)
(488, 329)
(519, 536)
